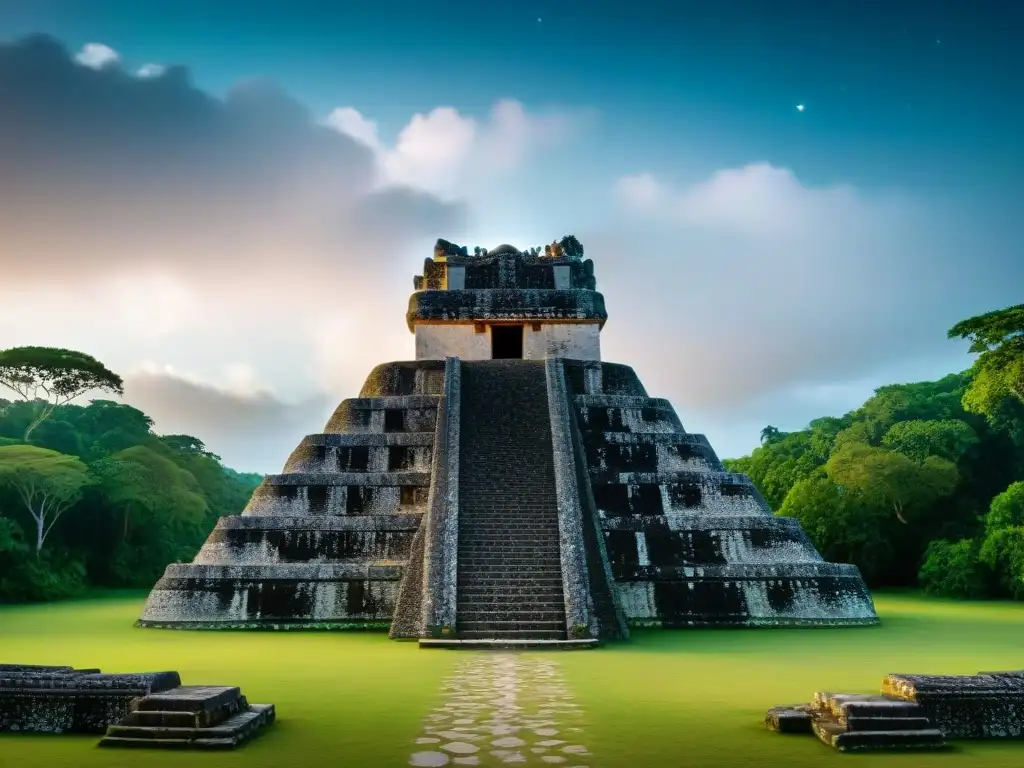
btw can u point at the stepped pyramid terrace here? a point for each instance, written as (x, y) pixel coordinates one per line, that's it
(506, 485)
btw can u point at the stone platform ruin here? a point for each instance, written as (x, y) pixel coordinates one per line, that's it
(152, 710)
(190, 717)
(506, 485)
(912, 712)
(35, 699)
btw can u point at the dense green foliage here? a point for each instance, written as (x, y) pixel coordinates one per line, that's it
(96, 499)
(922, 483)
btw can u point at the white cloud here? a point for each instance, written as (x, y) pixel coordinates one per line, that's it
(641, 191)
(97, 56)
(751, 282)
(442, 149)
(150, 70)
(350, 122)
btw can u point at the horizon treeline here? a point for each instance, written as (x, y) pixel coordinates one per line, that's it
(95, 499)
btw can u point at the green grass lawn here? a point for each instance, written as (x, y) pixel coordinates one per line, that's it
(673, 698)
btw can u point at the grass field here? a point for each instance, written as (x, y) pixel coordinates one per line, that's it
(675, 698)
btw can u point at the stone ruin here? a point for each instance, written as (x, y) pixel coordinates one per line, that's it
(148, 710)
(506, 486)
(913, 712)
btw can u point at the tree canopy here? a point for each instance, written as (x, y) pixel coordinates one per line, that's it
(149, 499)
(46, 483)
(53, 377)
(998, 339)
(923, 484)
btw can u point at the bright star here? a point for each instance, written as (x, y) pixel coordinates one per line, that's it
(799, 107)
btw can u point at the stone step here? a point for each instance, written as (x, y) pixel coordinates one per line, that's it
(518, 560)
(855, 723)
(527, 575)
(520, 634)
(503, 602)
(510, 536)
(479, 552)
(834, 735)
(532, 572)
(190, 698)
(519, 644)
(537, 507)
(185, 719)
(491, 532)
(500, 607)
(478, 583)
(123, 742)
(841, 705)
(530, 614)
(515, 519)
(512, 625)
(506, 575)
(534, 507)
(227, 735)
(500, 514)
(479, 545)
(500, 577)
(510, 590)
(792, 719)
(532, 569)
(543, 604)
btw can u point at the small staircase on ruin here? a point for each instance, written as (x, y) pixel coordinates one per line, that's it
(509, 564)
(190, 717)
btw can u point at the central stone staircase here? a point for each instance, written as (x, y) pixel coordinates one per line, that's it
(509, 564)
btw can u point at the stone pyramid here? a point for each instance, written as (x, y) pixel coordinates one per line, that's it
(506, 485)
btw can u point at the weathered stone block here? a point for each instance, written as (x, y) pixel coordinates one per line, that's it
(967, 706)
(72, 702)
(793, 719)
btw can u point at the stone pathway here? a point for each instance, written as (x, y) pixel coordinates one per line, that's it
(503, 709)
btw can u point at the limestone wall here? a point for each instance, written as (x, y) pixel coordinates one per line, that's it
(436, 342)
(581, 341)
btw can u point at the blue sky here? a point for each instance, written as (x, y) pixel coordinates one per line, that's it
(886, 84)
(897, 181)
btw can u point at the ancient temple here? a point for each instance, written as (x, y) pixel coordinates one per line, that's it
(506, 484)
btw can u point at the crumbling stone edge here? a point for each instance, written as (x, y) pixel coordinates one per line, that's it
(602, 580)
(579, 614)
(408, 620)
(441, 538)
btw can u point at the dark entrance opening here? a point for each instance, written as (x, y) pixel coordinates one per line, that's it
(506, 342)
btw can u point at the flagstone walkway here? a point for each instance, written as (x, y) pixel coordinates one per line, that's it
(501, 709)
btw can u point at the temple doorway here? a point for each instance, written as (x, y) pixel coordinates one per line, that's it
(506, 342)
